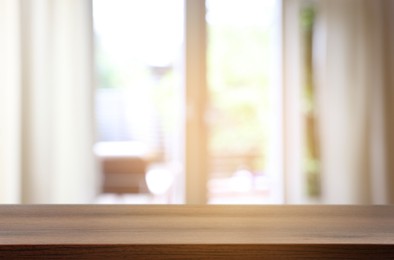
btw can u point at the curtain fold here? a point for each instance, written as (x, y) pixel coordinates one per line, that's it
(46, 119)
(353, 70)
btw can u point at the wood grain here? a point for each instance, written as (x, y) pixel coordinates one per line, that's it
(196, 232)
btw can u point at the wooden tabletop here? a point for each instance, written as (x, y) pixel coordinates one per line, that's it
(185, 232)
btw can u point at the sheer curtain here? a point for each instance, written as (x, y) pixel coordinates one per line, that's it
(355, 88)
(46, 110)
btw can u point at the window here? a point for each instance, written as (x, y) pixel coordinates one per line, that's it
(194, 87)
(241, 71)
(138, 98)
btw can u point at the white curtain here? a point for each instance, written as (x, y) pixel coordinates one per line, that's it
(355, 97)
(46, 110)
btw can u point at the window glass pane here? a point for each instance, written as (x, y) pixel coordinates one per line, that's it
(138, 102)
(241, 39)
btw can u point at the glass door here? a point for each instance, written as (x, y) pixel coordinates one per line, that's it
(244, 106)
(139, 103)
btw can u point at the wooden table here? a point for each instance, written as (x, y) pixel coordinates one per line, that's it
(197, 232)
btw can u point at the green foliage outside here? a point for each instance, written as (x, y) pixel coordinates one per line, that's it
(238, 62)
(311, 161)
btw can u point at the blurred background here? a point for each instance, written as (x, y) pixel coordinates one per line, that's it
(197, 101)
